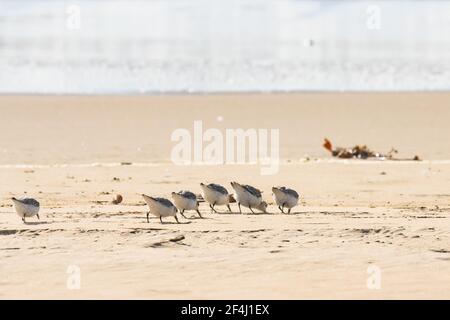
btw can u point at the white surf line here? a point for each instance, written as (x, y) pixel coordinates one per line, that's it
(284, 162)
(81, 165)
(370, 162)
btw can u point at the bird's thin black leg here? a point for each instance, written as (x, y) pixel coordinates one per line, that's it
(176, 218)
(148, 213)
(239, 205)
(38, 217)
(182, 213)
(213, 207)
(229, 208)
(198, 211)
(160, 219)
(251, 209)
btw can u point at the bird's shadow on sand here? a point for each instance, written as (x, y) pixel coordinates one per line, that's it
(244, 213)
(196, 218)
(170, 222)
(224, 212)
(36, 223)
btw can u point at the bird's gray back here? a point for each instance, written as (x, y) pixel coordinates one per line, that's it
(188, 195)
(252, 190)
(30, 201)
(165, 202)
(218, 188)
(290, 192)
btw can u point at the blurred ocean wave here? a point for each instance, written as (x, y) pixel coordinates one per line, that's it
(223, 46)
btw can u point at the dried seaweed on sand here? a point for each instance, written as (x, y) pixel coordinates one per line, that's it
(361, 152)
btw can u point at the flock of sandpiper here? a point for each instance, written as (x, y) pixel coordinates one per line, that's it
(214, 194)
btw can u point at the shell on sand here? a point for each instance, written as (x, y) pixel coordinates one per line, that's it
(117, 199)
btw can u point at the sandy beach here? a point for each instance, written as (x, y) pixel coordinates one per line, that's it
(74, 153)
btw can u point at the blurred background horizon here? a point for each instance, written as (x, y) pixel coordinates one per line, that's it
(205, 46)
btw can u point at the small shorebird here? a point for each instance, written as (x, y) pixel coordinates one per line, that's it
(249, 196)
(216, 195)
(185, 200)
(285, 197)
(160, 207)
(26, 207)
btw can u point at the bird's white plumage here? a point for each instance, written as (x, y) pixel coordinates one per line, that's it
(25, 210)
(284, 199)
(183, 203)
(158, 209)
(213, 196)
(248, 199)
(244, 197)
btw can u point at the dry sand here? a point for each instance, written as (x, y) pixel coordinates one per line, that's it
(353, 215)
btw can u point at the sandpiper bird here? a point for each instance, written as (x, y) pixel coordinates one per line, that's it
(186, 200)
(26, 207)
(160, 207)
(285, 197)
(216, 195)
(249, 196)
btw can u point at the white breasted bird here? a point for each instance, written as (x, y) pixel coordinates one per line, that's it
(160, 207)
(185, 200)
(285, 198)
(216, 195)
(26, 207)
(249, 196)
